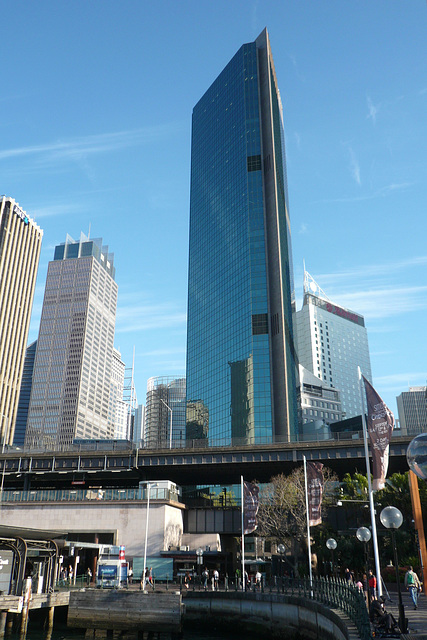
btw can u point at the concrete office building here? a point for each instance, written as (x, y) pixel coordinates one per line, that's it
(73, 365)
(24, 395)
(412, 409)
(332, 342)
(165, 412)
(20, 245)
(320, 405)
(240, 354)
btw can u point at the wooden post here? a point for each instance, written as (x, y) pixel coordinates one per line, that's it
(3, 618)
(49, 629)
(418, 520)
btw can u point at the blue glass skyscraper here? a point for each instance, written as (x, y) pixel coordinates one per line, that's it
(241, 373)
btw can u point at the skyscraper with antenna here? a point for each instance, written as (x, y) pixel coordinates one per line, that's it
(332, 342)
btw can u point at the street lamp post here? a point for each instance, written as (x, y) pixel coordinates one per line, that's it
(364, 535)
(199, 554)
(331, 543)
(281, 550)
(149, 485)
(170, 428)
(392, 518)
(5, 435)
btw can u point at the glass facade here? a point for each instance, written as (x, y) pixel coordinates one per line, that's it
(234, 331)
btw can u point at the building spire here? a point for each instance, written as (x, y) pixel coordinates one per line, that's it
(311, 286)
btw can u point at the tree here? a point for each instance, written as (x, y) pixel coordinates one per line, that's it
(282, 510)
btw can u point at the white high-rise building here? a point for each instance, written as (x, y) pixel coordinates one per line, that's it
(332, 342)
(119, 409)
(72, 371)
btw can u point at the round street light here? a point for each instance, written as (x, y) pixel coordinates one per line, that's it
(363, 534)
(416, 455)
(331, 543)
(392, 518)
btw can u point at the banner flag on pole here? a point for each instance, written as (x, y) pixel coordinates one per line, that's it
(380, 425)
(250, 507)
(314, 492)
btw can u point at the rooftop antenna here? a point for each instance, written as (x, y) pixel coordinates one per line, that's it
(88, 233)
(311, 286)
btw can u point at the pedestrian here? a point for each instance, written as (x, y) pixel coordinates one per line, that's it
(258, 578)
(130, 575)
(246, 580)
(205, 578)
(372, 582)
(413, 584)
(348, 575)
(70, 574)
(88, 576)
(151, 578)
(216, 579)
(187, 579)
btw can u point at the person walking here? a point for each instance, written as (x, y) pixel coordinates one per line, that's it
(372, 583)
(205, 578)
(413, 584)
(216, 579)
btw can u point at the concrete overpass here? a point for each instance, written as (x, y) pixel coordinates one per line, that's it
(189, 466)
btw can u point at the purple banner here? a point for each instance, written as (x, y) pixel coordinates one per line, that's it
(380, 427)
(314, 492)
(250, 507)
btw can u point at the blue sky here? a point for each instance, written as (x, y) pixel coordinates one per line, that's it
(95, 130)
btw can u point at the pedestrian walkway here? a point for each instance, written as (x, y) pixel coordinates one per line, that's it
(417, 619)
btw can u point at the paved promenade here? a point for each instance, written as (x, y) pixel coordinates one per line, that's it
(417, 620)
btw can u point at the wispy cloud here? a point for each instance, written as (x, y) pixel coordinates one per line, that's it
(354, 166)
(80, 147)
(297, 139)
(303, 228)
(56, 210)
(372, 110)
(382, 303)
(382, 192)
(402, 381)
(143, 317)
(371, 270)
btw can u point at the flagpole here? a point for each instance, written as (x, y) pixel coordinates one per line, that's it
(308, 523)
(371, 495)
(243, 535)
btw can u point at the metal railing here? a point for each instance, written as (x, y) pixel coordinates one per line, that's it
(91, 495)
(122, 446)
(332, 592)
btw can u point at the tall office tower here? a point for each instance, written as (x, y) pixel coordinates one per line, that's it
(412, 408)
(72, 370)
(118, 408)
(138, 434)
(20, 244)
(332, 342)
(241, 369)
(24, 395)
(165, 412)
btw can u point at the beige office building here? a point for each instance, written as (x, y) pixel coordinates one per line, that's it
(72, 370)
(20, 244)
